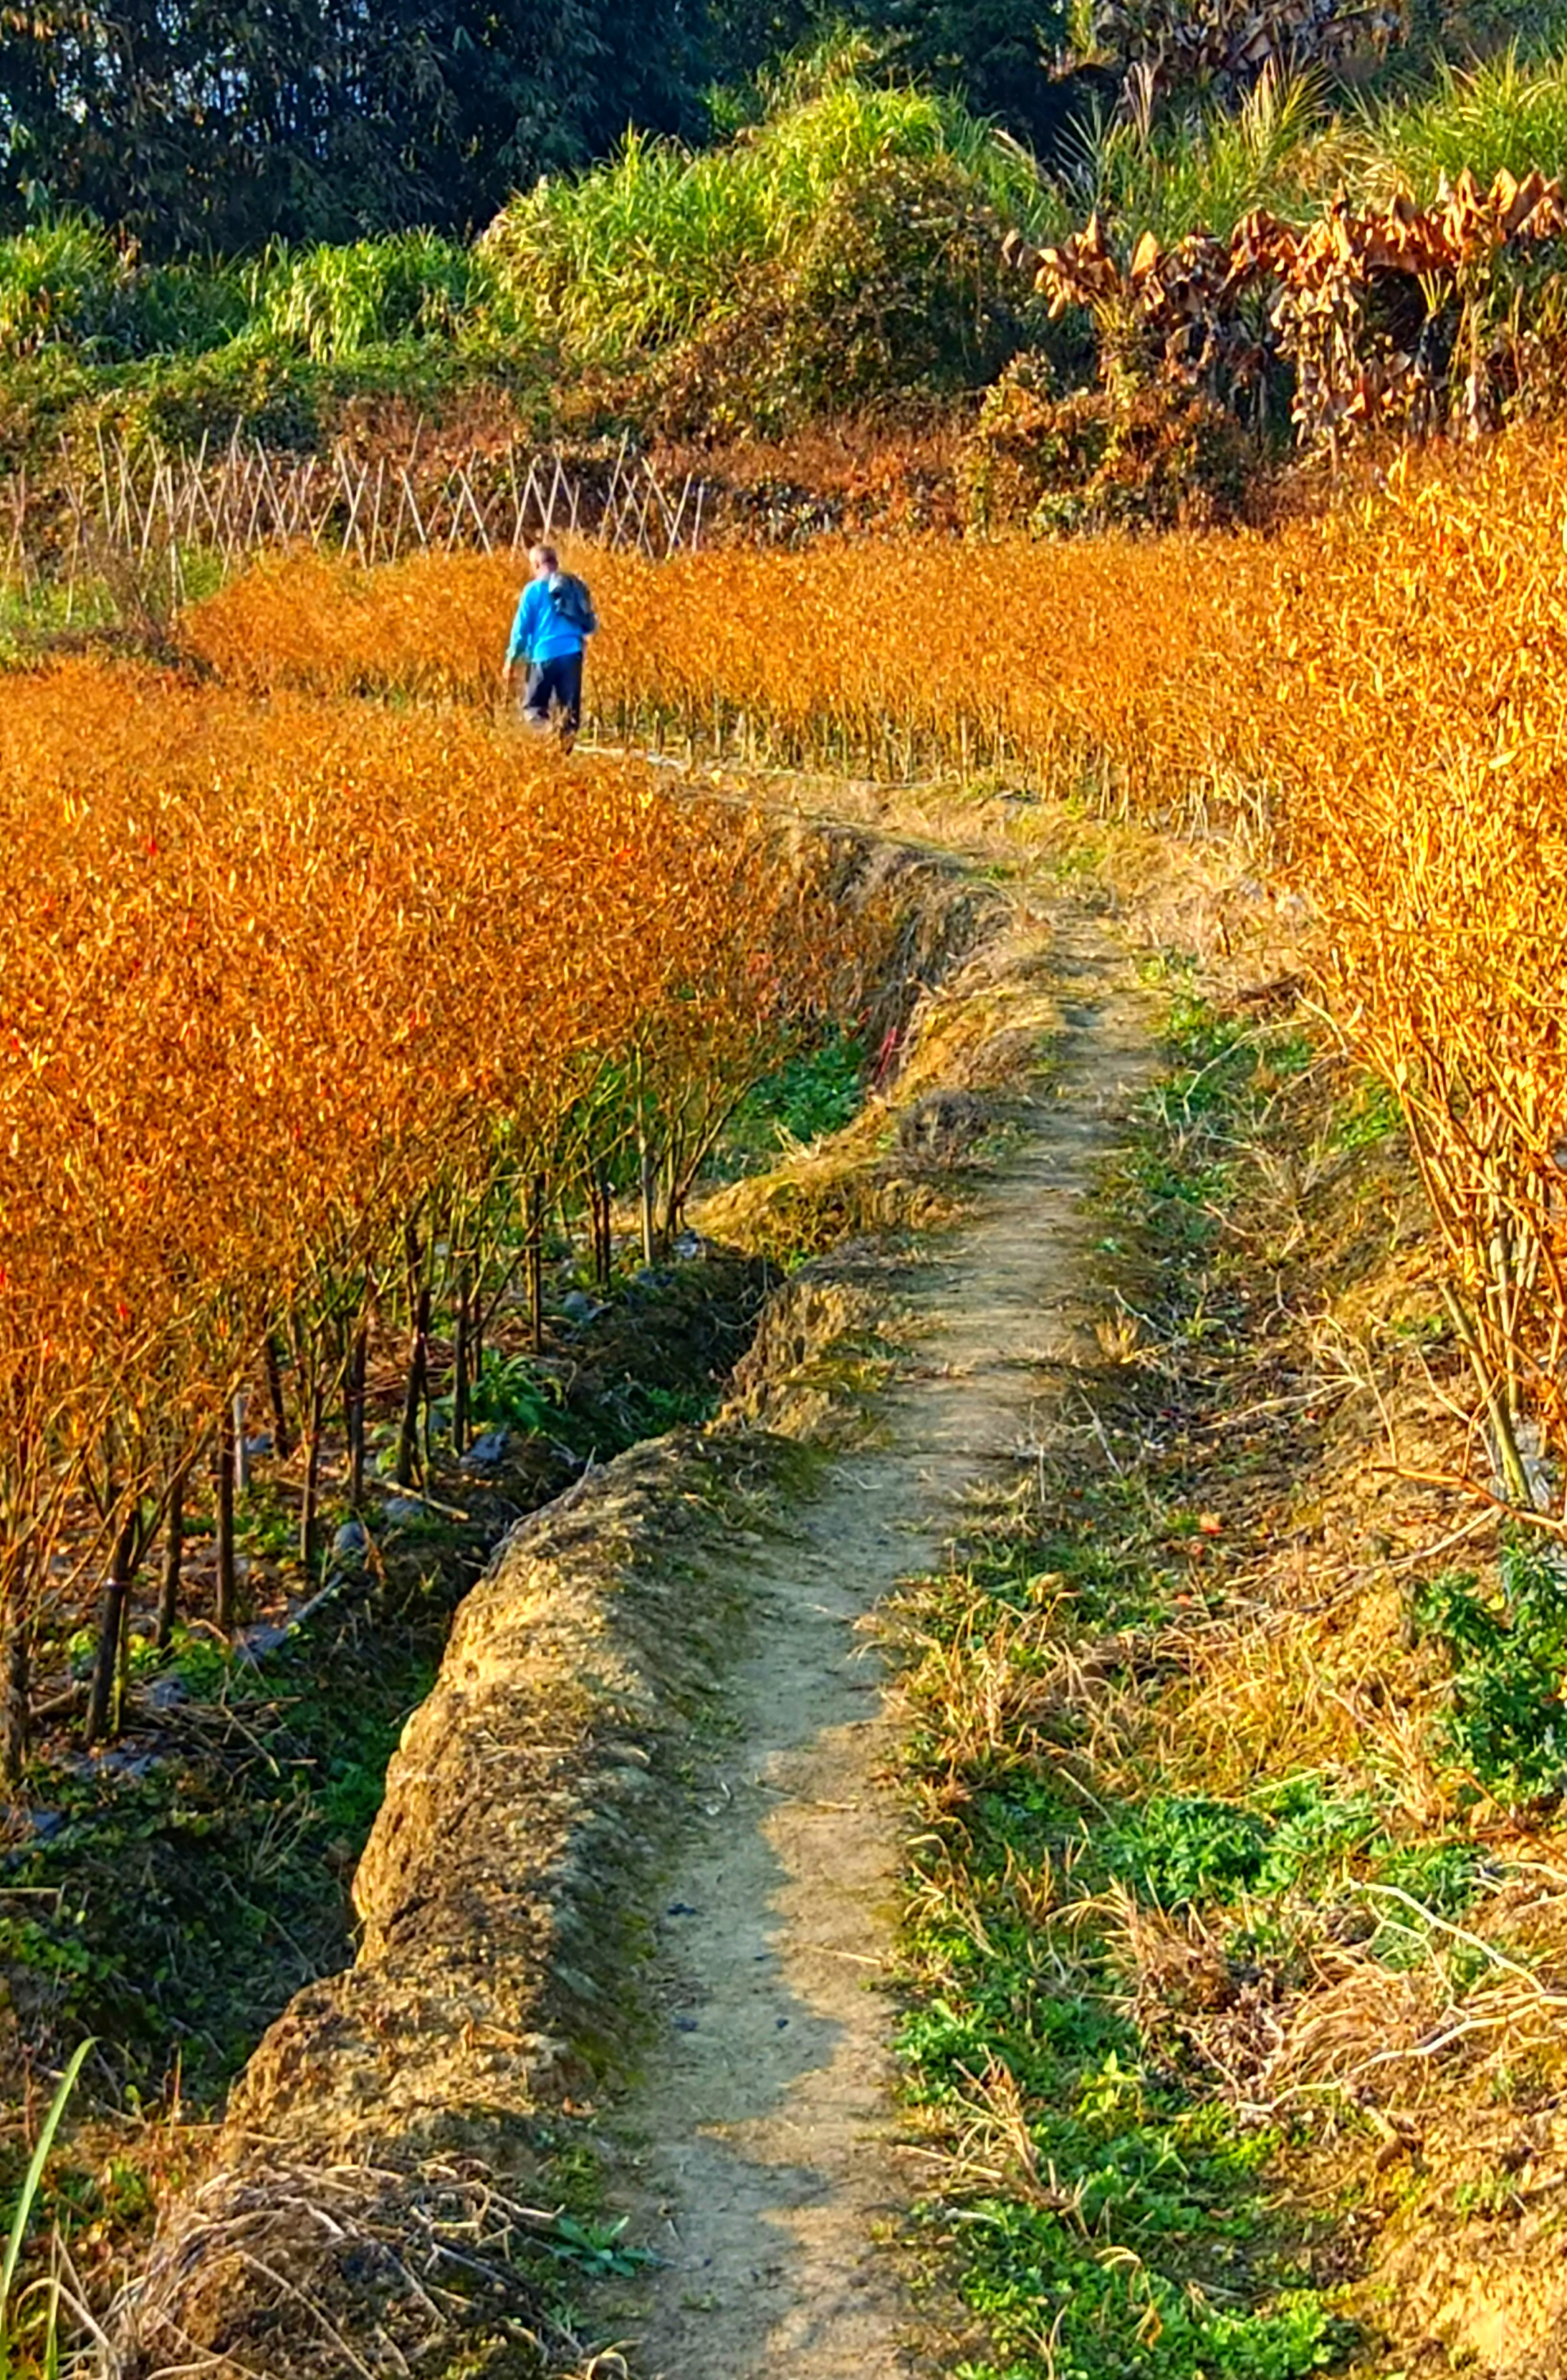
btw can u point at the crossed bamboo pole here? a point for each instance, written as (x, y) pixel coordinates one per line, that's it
(154, 509)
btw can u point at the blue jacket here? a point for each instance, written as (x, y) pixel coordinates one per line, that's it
(539, 634)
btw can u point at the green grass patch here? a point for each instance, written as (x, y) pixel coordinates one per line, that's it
(811, 1095)
(1107, 2208)
(1137, 2237)
(178, 1895)
(1505, 1721)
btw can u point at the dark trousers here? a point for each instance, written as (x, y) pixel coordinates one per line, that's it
(551, 681)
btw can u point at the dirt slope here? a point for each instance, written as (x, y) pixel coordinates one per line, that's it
(762, 2154)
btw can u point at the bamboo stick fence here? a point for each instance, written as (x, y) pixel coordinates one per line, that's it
(154, 509)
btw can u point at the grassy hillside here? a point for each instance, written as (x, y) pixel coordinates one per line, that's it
(838, 254)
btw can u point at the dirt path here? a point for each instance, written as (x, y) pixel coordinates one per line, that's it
(763, 2140)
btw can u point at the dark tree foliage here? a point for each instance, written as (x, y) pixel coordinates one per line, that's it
(196, 124)
(996, 54)
(740, 37)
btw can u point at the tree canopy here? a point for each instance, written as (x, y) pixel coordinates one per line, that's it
(193, 125)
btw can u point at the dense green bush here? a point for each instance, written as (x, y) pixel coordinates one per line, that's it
(648, 249)
(1126, 455)
(896, 290)
(337, 302)
(58, 283)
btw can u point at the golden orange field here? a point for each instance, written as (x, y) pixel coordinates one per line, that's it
(298, 1001)
(301, 985)
(1377, 696)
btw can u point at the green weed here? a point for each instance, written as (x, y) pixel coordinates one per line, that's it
(22, 2212)
(811, 1096)
(1505, 1720)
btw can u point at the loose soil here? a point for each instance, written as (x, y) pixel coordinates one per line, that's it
(759, 2156)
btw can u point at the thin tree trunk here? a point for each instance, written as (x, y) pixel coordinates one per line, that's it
(122, 1655)
(111, 1625)
(459, 1362)
(418, 1366)
(311, 1497)
(227, 1577)
(173, 1560)
(358, 1359)
(282, 1442)
(536, 1262)
(603, 1245)
(674, 1202)
(647, 1157)
(15, 1715)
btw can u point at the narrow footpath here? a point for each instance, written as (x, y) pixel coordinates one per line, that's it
(763, 2140)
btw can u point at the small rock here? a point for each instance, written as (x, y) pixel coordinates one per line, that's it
(404, 1508)
(487, 1451)
(260, 1639)
(349, 1546)
(136, 1765)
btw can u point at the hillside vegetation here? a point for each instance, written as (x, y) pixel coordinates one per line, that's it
(838, 253)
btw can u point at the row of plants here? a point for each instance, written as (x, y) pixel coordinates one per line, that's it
(316, 1027)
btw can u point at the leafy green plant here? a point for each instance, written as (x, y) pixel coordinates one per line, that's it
(1505, 1718)
(1183, 1849)
(811, 1095)
(594, 2248)
(336, 301)
(23, 2208)
(56, 283)
(511, 1391)
(1509, 111)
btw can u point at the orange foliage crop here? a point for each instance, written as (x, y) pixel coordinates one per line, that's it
(295, 997)
(1380, 694)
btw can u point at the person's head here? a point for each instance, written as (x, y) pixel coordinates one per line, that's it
(545, 560)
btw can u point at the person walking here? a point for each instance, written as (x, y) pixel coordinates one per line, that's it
(555, 620)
